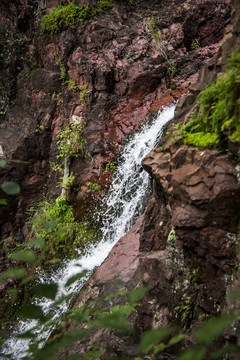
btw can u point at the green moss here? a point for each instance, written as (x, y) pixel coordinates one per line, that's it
(200, 139)
(71, 15)
(217, 117)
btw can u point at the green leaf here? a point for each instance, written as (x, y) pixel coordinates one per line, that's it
(151, 337)
(226, 350)
(79, 316)
(46, 290)
(123, 310)
(15, 273)
(26, 335)
(65, 298)
(2, 341)
(3, 163)
(23, 255)
(114, 321)
(50, 224)
(176, 339)
(11, 291)
(61, 231)
(53, 261)
(51, 347)
(118, 293)
(160, 348)
(76, 277)
(214, 328)
(11, 188)
(4, 334)
(90, 355)
(137, 294)
(3, 201)
(6, 356)
(36, 242)
(32, 312)
(196, 354)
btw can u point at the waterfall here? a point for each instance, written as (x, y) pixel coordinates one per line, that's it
(123, 203)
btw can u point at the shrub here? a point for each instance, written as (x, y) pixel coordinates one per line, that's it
(71, 143)
(54, 222)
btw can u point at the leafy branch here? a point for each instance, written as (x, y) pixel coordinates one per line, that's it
(71, 143)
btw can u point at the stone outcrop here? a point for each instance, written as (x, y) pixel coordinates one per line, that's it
(197, 195)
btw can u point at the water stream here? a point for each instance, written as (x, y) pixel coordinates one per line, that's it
(124, 202)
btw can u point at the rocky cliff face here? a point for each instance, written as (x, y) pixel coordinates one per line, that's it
(188, 234)
(189, 231)
(189, 252)
(127, 71)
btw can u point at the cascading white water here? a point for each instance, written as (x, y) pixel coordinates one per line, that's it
(123, 203)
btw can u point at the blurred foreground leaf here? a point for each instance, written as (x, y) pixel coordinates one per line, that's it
(137, 294)
(15, 273)
(214, 328)
(193, 354)
(226, 350)
(46, 290)
(11, 188)
(32, 312)
(152, 337)
(76, 277)
(36, 242)
(23, 255)
(114, 321)
(3, 163)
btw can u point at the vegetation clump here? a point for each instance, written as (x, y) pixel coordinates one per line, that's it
(195, 44)
(92, 187)
(54, 222)
(71, 142)
(71, 15)
(217, 118)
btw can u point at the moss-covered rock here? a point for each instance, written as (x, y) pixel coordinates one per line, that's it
(71, 15)
(217, 116)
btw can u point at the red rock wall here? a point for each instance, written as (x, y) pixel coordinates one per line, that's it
(126, 73)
